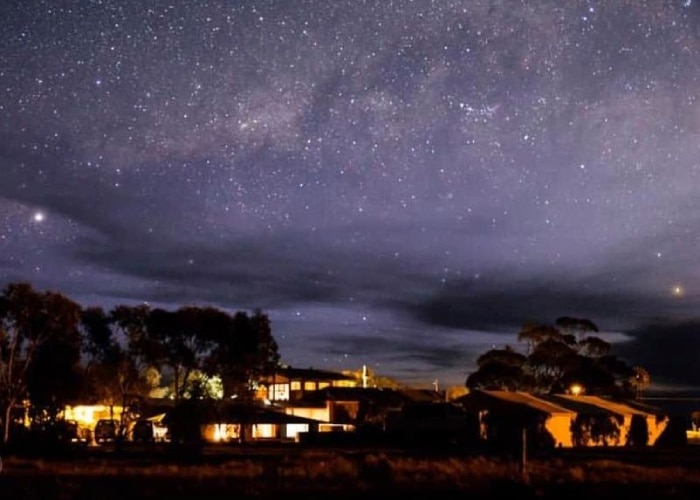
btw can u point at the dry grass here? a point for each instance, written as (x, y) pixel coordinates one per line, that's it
(346, 474)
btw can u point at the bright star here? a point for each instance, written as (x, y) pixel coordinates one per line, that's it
(38, 216)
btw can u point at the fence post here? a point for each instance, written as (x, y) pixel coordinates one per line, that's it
(523, 463)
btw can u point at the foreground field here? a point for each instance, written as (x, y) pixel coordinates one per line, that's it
(351, 474)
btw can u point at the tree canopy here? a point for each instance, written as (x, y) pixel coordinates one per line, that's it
(557, 357)
(53, 351)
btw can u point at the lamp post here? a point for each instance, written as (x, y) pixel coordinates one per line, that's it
(576, 389)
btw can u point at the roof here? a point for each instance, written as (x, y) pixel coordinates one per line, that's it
(577, 404)
(554, 403)
(427, 395)
(526, 399)
(617, 407)
(289, 373)
(507, 400)
(385, 397)
(234, 413)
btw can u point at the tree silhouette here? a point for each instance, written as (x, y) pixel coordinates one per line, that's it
(28, 320)
(500, 369)
(244, 349)
(556, 358)
(113, 376)
(640, 380)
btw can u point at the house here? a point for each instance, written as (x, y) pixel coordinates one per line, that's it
(562, 420)
(290, 384)
(229, 422)
(634, 424)
(502, 417)
(346, 408)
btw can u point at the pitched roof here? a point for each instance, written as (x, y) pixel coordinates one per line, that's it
(477, 400)
(233, 413)
(554, 403)
(386, 397)
(616, 407)
(426, 395)
(532, 401)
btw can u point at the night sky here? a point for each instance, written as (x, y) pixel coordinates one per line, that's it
(398, 184)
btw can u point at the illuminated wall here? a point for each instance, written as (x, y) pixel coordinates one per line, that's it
(221, 433)
(322, 414)
(88, 415)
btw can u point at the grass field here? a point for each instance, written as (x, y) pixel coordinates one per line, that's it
(339, 474)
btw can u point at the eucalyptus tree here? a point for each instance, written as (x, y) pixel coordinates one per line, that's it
(114, 376)
(500, 369)
(186, 339)
(555, 358)
(29, 321)
(244, 350)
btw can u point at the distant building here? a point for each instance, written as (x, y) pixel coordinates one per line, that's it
(563, 420)
(291, 384)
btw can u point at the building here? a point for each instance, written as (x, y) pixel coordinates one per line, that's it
(230, 422)
(504, 417)
(291, 384)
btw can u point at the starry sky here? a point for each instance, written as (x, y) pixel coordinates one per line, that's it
(398, 184)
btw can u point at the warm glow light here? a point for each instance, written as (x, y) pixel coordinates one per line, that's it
(677, 290)
(88, 415)
(576, 389)
(219, 432)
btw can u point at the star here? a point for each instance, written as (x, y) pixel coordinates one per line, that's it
(366, 173)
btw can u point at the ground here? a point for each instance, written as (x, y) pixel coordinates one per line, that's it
(268, 472)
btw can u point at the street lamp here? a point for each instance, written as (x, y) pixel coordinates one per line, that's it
(576, 389)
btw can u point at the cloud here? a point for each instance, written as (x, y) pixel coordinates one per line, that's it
(668, 350)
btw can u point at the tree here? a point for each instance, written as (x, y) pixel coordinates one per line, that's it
(132, 321)
(244, 349)
(28, 321)
(143, 349)
(55, 377)
(534, 334)
(640, 380)
(558, 356)
(115, 374)
(601, 429)
(500, 369)
(186, 336)
(580, 327)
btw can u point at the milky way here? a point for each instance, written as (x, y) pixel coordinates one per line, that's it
(398, 184)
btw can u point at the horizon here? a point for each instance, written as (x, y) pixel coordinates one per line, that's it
(398, 184)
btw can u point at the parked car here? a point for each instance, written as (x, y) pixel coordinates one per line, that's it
(59, 432)
(70, 431)
(148, 431)
(106, 431)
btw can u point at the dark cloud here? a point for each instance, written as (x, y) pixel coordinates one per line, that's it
(669, 351)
